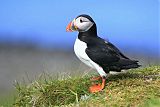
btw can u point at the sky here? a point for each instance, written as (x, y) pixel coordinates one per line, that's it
(129, 24)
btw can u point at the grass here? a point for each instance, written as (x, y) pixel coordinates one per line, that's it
(7, 100)
(153, 102)
(138, 87)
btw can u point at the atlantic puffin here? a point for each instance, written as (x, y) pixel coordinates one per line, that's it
(96, 52)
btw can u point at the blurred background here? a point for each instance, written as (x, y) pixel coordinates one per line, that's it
(33, 37)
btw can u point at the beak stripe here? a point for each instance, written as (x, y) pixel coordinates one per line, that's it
(71, 27)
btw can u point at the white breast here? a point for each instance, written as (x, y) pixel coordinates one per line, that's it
(79, 49)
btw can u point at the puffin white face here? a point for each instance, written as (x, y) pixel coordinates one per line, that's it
(80, 24)
(83, 24)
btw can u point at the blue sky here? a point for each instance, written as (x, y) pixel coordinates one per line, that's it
(126, 23)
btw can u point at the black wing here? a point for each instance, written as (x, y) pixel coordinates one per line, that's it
(117, 50)
(102, 52)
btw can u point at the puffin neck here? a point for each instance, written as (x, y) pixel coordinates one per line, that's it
(92, 32)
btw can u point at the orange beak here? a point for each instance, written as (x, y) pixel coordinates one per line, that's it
(71, 27)
(68, 28)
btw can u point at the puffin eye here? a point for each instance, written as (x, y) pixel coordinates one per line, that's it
(81, 20)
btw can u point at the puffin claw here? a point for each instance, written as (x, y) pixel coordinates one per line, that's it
(97, 87)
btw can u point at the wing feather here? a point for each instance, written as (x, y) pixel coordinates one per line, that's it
(102, 52)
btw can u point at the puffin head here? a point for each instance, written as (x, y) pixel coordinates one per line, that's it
(81, 23)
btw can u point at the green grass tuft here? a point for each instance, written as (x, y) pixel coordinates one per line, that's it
(152, 102)
(51, 92)
(138, 87)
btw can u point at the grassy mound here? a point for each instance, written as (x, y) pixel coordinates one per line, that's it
(138, 87)
(51, 92)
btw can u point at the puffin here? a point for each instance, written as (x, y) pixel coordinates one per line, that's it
(96, 52)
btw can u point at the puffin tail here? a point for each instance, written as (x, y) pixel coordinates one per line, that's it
(128, 64)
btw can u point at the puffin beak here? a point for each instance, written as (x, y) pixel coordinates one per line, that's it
(71, 27)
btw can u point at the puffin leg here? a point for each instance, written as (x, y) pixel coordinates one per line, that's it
(98, 87)
(96, 78)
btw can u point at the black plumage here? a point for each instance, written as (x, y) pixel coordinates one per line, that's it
(104, 53)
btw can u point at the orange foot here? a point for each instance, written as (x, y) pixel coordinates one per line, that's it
(97, 87)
